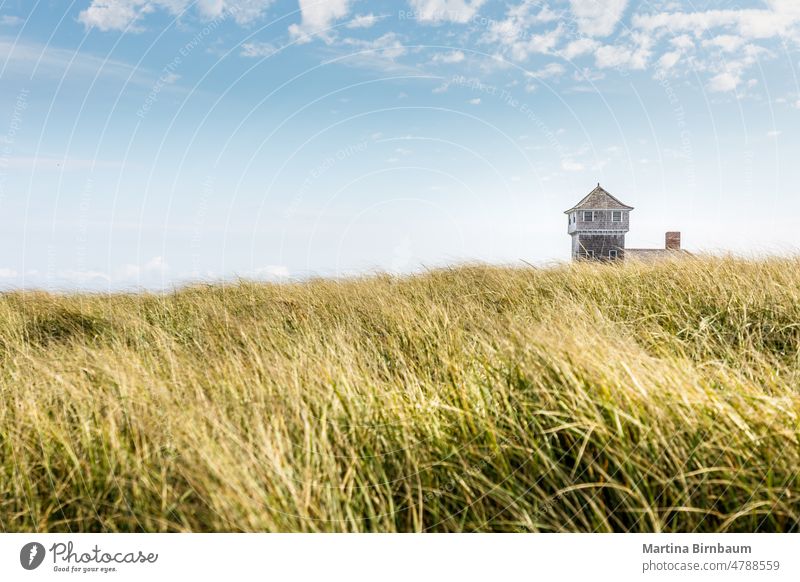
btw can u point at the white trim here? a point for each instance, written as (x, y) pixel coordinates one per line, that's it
(600, 231)
(581, 209)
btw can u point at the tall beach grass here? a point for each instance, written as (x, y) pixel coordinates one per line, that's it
(640, 397)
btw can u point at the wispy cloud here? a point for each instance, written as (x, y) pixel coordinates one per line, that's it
(108, 15)
(445, 10)
(30, 59)
(450, 58)
(572, 166)
(548, 71)
(9, 20)
(155, 266)
(363, 21)
(258, 49)
(515, 33)
(780, 19)
(382, 53)
(58, 164)
(596, 18)
(269, 273)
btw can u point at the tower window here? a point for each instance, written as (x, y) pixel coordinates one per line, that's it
(616, 216)
(588, 216)
(612, 254)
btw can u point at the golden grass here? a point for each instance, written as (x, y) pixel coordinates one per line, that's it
(659, 397)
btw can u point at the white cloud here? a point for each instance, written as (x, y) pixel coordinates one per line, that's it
(47, 58)
(724, 82)
(211, 8)
(726, 42)
(258, 49)
(571, 166)
(155, 266)
(543, 43)
(476, 101)
(317, 17)
(114, 14)
(621, 57)
(579, 47)
(379, 54)
(726, 37)
(728, 73)
(33, 59)
(386, 47)
(150, 271)
(363, 21)
(780, 20)
(668, 60)
(244, 12)
(548, 71)
(8, 20)
(450, 58)
(596, 17)
(109, 15)
(774, 133)
(445, 10)
(79, 277)
(8, 273)
(513, 33)
(270, 273)
(682, 42)
(588, 74)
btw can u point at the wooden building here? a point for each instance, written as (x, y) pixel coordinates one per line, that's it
(598, 225)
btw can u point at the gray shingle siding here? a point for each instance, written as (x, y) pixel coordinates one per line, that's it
(598, 245)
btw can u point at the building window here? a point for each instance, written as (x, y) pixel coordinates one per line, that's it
(612, 254)
(616, 216)
(589, 254)
(588, 216)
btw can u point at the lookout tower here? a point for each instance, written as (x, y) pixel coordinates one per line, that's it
(597, 225)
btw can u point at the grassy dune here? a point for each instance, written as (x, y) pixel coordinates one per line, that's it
(642, 397)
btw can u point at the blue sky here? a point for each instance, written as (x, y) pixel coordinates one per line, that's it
(149, 143)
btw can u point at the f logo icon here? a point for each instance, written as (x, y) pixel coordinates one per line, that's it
(31, 555)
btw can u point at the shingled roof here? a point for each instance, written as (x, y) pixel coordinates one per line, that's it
(599, 199)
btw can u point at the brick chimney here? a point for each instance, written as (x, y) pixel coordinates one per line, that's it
(673, 241)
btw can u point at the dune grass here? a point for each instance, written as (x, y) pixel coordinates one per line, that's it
(641, 397)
